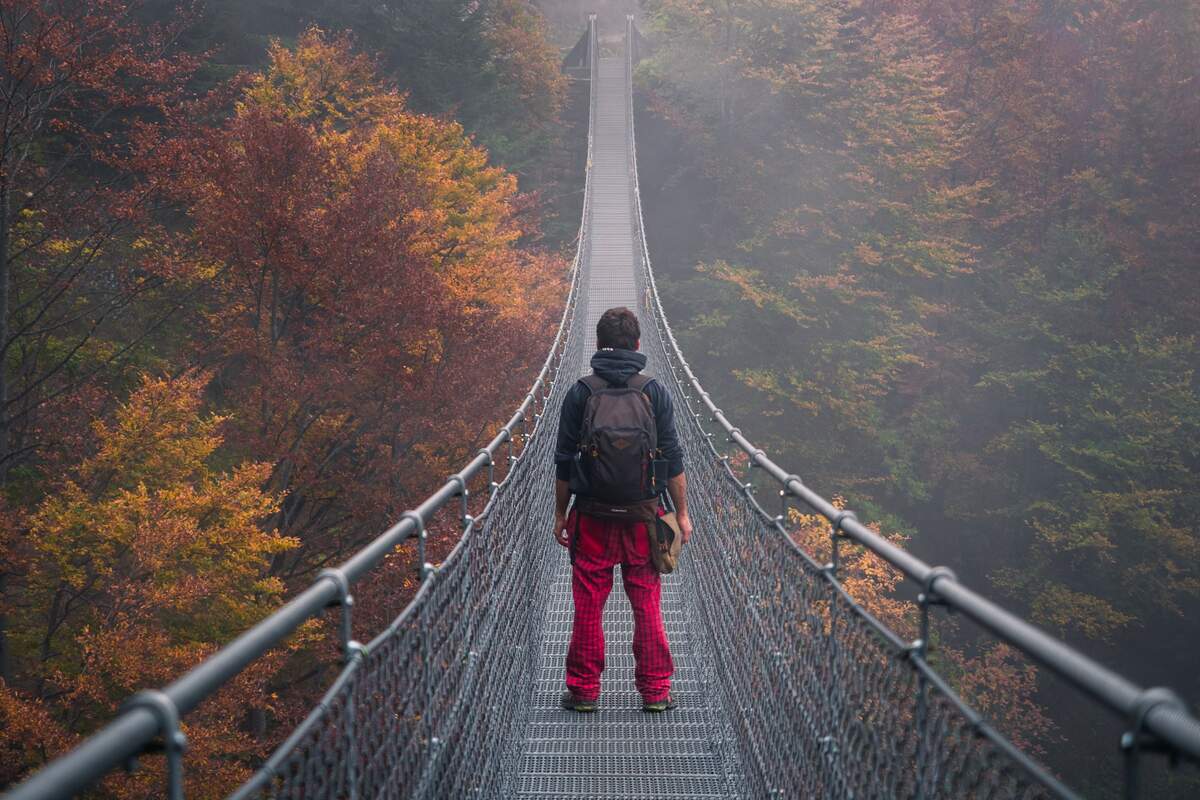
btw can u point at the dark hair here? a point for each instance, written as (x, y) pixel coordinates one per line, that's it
(618, 327)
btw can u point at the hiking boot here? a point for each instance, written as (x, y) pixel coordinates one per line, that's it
(572, 703)
(659, 706)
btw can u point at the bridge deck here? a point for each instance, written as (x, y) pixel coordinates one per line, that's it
(619, 752)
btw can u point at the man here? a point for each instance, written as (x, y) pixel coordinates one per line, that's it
(599, 539)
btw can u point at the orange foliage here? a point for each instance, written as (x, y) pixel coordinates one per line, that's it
(367, 282)
(29, 734)
(350, 278)
(525, 60)
(143, 560)
(867, 578)
(1000, 684)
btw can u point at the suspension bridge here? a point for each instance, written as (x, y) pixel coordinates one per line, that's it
(786, 686)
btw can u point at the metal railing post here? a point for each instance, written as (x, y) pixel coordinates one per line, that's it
(919, 649)
(351, 650)
(427, 684)
(493, 487)
(835, 739)
(423, 565)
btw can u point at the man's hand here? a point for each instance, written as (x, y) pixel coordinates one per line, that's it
(685, 525)
(560, 529)
(677, 488)
(562, 498)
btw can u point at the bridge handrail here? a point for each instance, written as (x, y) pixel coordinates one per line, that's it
(1156, 711)
(149, 715)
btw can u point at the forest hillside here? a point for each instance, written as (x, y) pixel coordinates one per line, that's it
(268, 272)
(968, 232)
(271, 269)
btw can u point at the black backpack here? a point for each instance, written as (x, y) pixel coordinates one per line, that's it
(617, 447)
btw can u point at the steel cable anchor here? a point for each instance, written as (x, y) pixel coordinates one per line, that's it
(174, 742)
(1135, 740)
(836, 534)
(462, 492)
(424, 568)
(350, 648)
(493, 487)
(784, 493)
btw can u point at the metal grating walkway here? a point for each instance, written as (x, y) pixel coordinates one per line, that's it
(619, 752)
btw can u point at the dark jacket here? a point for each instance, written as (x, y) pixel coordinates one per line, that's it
(616, 366)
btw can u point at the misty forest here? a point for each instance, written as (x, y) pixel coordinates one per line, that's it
(270, 270)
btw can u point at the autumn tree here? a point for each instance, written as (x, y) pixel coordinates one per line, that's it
(146, 558)
(87, 90)
(832, 147)
(1084, 137)
(489, 64)
(373, 309)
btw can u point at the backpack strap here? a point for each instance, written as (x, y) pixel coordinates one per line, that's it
(595, 383)
(639, 381)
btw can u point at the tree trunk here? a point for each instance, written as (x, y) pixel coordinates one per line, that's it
(5, 665)
(5, 661)
(5, 191)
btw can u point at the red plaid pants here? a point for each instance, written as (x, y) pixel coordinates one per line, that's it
(600, 545)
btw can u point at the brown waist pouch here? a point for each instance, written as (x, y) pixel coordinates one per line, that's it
(645, 511)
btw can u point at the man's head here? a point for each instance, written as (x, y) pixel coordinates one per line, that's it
(618, 327)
